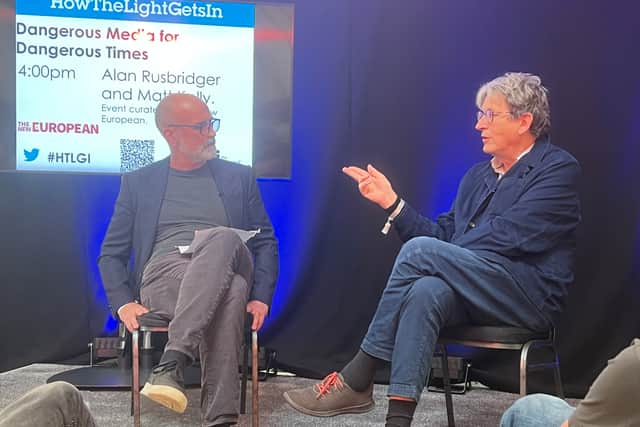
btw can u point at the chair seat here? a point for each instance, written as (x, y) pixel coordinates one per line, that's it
(496, 334)
(153, 320)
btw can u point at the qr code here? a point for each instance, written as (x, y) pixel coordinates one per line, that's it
(135, 153)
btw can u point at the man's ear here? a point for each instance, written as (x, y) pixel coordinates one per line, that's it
(170, 136)
(525, 121)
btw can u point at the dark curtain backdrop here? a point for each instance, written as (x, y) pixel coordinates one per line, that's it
(393, 84)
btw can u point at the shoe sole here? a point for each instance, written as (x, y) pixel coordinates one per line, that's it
(167, 396)
(356, 409)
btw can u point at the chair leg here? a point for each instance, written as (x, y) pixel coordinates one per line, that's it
(556, 375)
(255, 419)
(135, 379)
(524, 354)
(245, 372)
(525, 368)
(447, 386)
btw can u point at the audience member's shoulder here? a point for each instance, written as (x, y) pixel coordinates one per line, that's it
(629, 355)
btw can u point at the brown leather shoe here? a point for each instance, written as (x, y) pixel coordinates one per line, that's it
(330, 397)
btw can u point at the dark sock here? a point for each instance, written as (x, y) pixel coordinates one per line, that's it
(360, 371)
(400, 413)
(170, 355)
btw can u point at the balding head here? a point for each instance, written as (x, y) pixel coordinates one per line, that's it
(186, 124)
(178, 108)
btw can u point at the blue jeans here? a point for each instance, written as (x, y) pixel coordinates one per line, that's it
(537, 410)
(434, 284)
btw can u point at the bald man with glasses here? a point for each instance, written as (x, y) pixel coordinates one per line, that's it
(205, 293)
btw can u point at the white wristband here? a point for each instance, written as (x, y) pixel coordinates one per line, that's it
(394, 214)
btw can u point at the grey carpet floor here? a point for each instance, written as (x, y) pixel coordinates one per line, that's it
(479, 407)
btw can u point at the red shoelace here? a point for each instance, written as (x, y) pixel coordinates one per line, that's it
(330, 381)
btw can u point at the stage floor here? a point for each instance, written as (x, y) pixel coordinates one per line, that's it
(477, 408)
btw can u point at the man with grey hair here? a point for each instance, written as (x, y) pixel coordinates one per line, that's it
(503, 254)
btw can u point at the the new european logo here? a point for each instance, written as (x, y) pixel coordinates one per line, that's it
(30, 156)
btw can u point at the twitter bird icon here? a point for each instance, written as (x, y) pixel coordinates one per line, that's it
(30, 156)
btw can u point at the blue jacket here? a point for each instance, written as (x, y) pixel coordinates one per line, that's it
(135, 219)
(528, 226)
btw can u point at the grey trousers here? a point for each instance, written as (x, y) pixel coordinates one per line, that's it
(205, 295)
(56, 404)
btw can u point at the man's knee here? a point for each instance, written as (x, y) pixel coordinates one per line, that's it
(421, 243)
(58, 394)
(223, 237)
(430, 247)
(532, 407)
(222, 240)
(62, 391)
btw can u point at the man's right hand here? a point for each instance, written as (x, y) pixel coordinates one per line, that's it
(129, 313)
(373, 185)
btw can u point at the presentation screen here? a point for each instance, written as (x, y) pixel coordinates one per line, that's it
(88, 75)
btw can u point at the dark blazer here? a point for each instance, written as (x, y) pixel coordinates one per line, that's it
(525, 222)
(132, 230)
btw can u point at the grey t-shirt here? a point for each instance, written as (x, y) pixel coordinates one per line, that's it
(613, 397)
(191, 202)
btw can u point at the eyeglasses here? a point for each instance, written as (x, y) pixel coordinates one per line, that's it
(490, 114)
(204, 127)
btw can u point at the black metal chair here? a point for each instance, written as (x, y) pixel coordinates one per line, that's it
(504, 338)
(142, 352)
